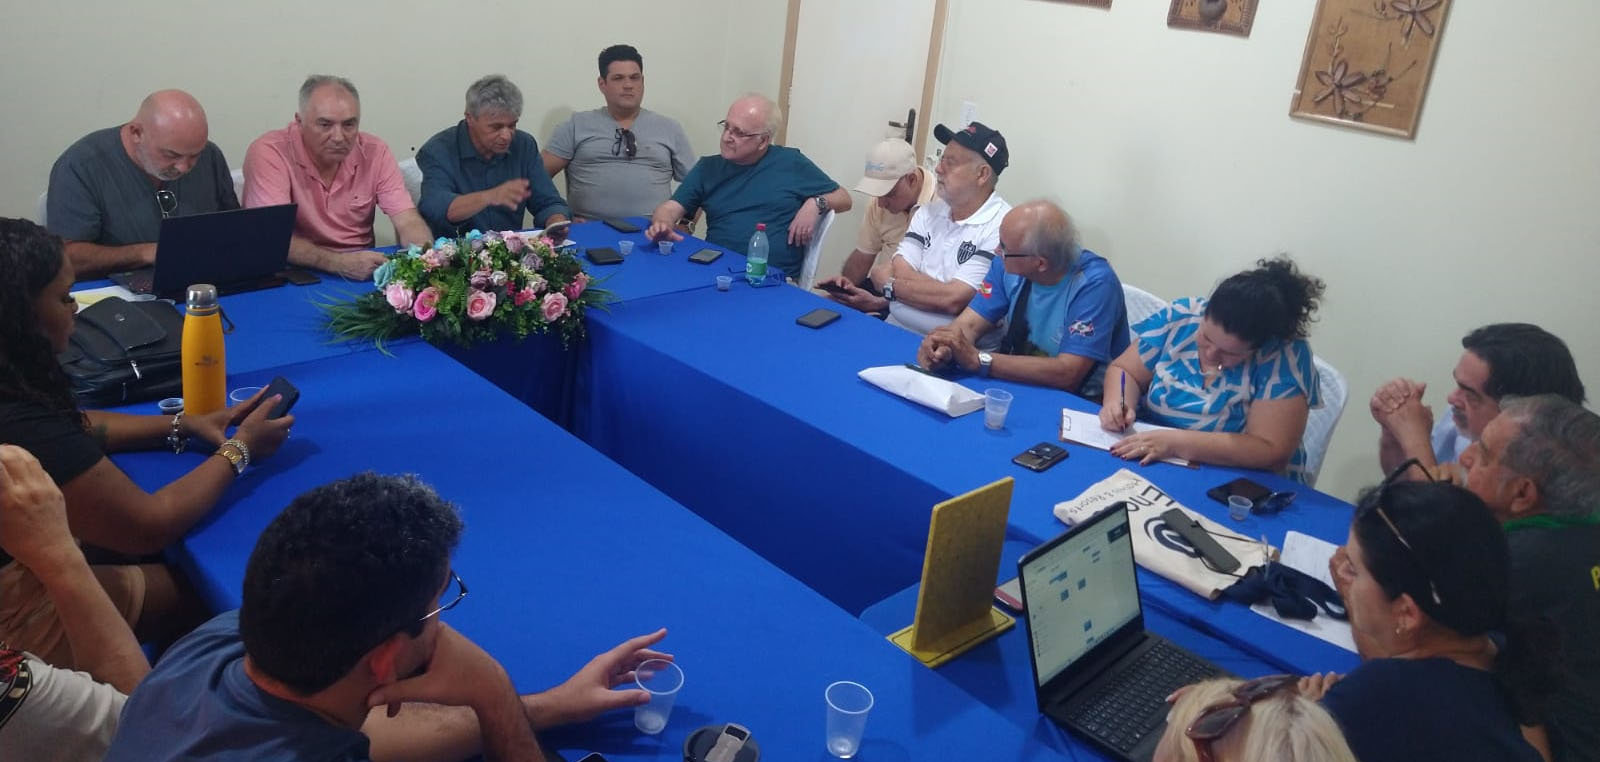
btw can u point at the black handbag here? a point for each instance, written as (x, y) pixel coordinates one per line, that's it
(125, 351)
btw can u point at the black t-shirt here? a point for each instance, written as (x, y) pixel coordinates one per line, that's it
(1402, 710)
(57, 439)
(1555, 572)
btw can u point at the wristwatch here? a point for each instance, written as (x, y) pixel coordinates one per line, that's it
(822, 204)
(985, 360)
(888, 290)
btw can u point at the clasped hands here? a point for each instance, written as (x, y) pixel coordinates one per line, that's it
(945, 346)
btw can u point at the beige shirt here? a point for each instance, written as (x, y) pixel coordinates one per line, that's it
(882, 230)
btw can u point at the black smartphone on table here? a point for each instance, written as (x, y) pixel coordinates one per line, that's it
(603, 255)
(301, 277)
(817, 318)
(705, 256)
(833, 288)
(622, 226)
(1263, 500)
(1041, 457)
(291, 395)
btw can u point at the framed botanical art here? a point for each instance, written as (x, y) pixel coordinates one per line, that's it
(1367, 63)
(1229, 16)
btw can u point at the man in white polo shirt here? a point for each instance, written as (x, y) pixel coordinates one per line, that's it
(951, 242)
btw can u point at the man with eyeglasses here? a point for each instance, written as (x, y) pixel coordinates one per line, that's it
(1537, 467)
(110, 190)
(621, 159)
(337, 175)
(340, 651)
(1058, 305)
(754, 182)
(484, 173)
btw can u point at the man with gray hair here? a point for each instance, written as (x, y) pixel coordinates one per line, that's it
(1537, 466)
(337, 175)
(753, 182)
(1057, 306)
(484, 173)
(110, 190)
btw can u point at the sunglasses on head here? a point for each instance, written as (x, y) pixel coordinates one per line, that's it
(1216, 720)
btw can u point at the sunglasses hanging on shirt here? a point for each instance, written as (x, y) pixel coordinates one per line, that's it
(625, 144)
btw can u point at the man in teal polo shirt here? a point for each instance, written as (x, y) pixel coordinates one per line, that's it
(1058, 309)
(753, 181)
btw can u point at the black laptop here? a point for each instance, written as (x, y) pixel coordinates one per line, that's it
(1096, 671)
(237, 250)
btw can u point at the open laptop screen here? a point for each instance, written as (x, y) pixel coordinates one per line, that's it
(1080, 592)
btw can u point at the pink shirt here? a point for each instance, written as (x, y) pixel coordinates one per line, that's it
(338, 217)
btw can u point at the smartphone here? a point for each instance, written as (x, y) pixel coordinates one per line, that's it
(301, 277)
(291, 395)
(622, 226)
(705, 256)
(1041, 457)
(729, 742)
(833, 288)
(817, 318)
(1242, 487)
(1009, 594)
(603, 255)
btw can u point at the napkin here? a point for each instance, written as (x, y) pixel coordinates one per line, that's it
(948, 397)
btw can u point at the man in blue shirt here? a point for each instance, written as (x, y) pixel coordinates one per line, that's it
(753, 181)
(1051, 311)
(483, 172)
(343, 599)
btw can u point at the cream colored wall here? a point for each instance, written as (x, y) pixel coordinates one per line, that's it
(74, 67)
(1176, 155)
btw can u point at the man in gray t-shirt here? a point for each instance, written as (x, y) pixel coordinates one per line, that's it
(620, 160)
(110, 189)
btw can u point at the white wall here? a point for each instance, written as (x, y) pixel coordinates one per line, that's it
(77, 66)
(1175, 153)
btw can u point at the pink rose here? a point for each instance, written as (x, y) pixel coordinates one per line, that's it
(514, 241)
(434, 259)
(427, 304)
(555, 305)
(399, 297)
(575, 289)
(480, 304)
(524, 296)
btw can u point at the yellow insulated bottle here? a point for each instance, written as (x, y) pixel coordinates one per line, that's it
(205, 374)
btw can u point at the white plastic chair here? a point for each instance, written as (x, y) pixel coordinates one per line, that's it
(238, 185)
(1321, 421)
(1140, 304)
(808, 269)
(39, 214)
(413, 176)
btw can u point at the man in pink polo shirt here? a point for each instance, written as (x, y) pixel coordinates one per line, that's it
(337, 175)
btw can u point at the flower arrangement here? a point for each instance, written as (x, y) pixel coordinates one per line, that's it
(471, 289)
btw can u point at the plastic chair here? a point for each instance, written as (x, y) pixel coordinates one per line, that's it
(238, 185)
(39, 214)
(808, 269)
(413, 177)
(1140, 304)
(1321, 421)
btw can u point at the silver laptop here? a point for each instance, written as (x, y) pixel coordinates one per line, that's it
(237, 250)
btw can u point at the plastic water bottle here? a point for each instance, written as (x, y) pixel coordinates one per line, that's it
(755, 263)
(205, 372)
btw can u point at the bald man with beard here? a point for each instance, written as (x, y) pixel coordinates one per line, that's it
(110, 190)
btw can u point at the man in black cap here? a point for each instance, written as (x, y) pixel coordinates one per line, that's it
(952, 240)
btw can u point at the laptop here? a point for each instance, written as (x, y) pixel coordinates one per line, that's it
(1096, 671)
(236, 250)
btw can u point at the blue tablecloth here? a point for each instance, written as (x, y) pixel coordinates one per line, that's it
(567, 554)
(762, 427)
(645, 272)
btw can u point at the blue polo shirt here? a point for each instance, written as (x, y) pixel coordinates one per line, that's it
(736, 197)
(1082, 315)
(451, 167)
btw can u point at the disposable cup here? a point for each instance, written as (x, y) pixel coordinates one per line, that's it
(626, 247)
(996, 403)
(848, 705)
(1239, 507)
(661, 679)
(664, 246)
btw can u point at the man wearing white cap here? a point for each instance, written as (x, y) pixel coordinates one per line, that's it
(900, 186)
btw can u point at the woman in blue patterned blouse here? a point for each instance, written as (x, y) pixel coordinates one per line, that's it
(1234, 371)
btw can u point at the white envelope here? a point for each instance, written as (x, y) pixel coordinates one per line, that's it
(948, 397)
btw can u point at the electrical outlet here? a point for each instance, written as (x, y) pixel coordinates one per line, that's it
(969, 113)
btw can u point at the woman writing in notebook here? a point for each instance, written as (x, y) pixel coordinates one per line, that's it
(1232, 371)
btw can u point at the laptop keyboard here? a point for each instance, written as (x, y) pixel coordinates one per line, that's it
(1127, 708)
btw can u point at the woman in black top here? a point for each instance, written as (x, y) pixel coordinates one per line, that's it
(105, 508)
(1426, 578)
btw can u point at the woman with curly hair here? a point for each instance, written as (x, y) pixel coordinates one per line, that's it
(105, 509)
(1233, 370)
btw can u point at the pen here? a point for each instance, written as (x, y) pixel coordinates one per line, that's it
(1123, 382)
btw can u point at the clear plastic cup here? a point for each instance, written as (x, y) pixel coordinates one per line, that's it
(724, 282)
(661, 679)
(626, 247)
(1239, 507)
(848, 705)
(170, 406)
(665, 247)
(996, 403)
(242, 394)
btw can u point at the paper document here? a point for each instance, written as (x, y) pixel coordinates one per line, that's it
(1310, 555)
(924, 388)
(1084, 429)
(89, 296)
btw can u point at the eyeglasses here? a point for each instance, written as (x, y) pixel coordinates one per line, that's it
(1216, 720)
(737, 133)
(1377, 508)
(625, 144)
(168, 202)
(461, 593)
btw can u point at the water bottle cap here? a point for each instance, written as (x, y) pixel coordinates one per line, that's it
(202, 296)
(761, 226)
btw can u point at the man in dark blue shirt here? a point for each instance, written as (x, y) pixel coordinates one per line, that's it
(483, 172)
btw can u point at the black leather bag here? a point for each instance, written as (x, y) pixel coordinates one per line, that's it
(125, 351)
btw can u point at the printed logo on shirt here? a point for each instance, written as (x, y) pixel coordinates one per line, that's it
(1083, 328)
(986, 290)
(969, 250)
(918, 237)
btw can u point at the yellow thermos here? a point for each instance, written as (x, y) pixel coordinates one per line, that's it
(205, 374)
